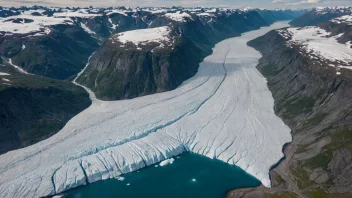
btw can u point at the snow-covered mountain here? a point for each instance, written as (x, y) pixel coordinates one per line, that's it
(43, 30)
(320, 14)
(309, 72)
(326, 45)
(56, 43)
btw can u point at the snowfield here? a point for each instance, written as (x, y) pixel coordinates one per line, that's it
(4, 74)
(344, 19)
(83, 13)
(318, 44)
(181, 17)
(35, 23)
(224, 112)
(159, 34)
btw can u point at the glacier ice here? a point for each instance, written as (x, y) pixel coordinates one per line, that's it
(224, 112)
(166, 162)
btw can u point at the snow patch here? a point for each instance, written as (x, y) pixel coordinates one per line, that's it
(38, 24)
(316, 42)
(178, 16)
(4, 74)
(17, 67)
(110, 12)
(82, 13)
(160, 34)
(343, 19)
(86, 28)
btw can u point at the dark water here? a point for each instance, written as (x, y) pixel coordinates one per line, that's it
(213, 179)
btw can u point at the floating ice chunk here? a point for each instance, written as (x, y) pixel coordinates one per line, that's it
(194, 180)
(120, 178)
(166, 162)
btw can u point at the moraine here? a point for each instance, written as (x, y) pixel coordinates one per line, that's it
(224, 112)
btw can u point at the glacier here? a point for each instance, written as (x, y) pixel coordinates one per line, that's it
(224, 112)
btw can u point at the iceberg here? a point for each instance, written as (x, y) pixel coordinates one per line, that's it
(166, 162)
(224, 112)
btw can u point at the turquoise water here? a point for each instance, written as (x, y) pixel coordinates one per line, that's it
(190, 176)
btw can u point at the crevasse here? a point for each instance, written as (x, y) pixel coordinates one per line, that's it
(224, 112)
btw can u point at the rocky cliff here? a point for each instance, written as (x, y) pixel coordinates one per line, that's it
(121, 71)
(313, 97)
(34, 108)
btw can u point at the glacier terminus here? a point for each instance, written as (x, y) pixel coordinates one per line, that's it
(224, 112)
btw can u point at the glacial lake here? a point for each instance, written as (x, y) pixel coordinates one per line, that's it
(190, 175)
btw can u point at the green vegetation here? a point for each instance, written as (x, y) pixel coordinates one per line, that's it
(282, 195)
(278, 178)
(311, 122)
(269, 70)
(44, 127)
(302, 148)
(321, 160)
(322, 194)
(294, 106)
(301, 177)
(341, 138)
(35, 107)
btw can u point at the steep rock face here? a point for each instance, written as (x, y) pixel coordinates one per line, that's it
(61, 54)
(34, 108)
(59, 41)
(119, 71)
(315, 102)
